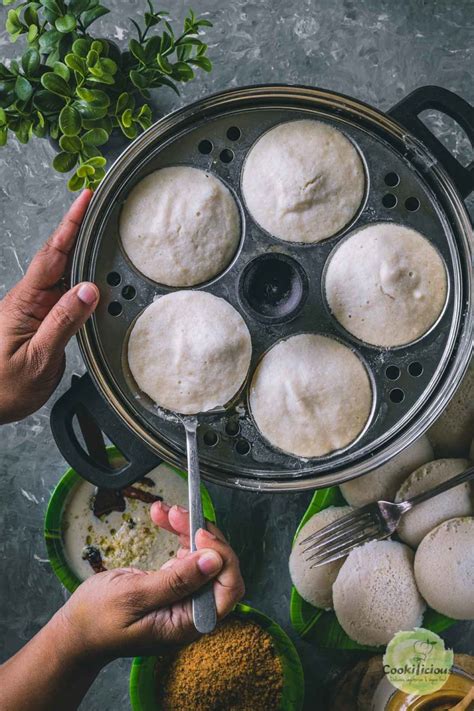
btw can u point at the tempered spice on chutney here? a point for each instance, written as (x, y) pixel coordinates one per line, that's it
(236, 668)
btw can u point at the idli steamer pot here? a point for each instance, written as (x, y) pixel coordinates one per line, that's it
(411, 179)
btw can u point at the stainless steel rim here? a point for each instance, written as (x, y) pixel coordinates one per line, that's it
(421, 162)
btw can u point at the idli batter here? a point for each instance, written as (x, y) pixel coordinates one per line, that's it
(180, 226)
(303, 181)
(386, 284)
(310, 395)
(190, 351)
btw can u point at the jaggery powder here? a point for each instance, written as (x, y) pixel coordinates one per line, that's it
(236, 668)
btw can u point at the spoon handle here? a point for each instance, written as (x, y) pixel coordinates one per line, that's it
(204, 606)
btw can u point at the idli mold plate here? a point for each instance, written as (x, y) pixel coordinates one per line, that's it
(413, 182)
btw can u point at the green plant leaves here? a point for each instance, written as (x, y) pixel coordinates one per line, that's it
(56, 84)
(48, 42)
(90, 111)
(62, 70)
(65, 24)
(94, 96)
(31, 61)
(81, 47)
(76, 7)
(92, 15)
(23, 88)
(95, 137)
(70, 144)
(76, 63)
(70, 121)
(76, 183)
(48, 103)
(64, 162)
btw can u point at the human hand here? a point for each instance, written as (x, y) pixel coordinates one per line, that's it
(128, 612)
(37, 319)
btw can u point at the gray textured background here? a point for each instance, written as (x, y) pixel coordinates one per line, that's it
(377, 51)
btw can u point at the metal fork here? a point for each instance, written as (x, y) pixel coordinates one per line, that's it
(368, 523)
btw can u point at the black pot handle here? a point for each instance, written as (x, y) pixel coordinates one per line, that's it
(407, 113)
(83, 398)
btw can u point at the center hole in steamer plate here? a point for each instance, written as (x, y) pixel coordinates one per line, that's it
(273, 287)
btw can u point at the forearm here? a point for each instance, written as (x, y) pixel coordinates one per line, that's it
(50, 672)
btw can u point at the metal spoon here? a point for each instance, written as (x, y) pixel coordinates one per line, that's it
(204, 604)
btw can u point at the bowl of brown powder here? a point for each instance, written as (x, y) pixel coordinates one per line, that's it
(248, 664)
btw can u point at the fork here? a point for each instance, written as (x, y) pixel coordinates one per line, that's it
(368, 523)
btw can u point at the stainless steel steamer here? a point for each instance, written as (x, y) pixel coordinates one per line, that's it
(411, 179)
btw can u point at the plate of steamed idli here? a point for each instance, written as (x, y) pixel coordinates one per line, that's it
(421, 576)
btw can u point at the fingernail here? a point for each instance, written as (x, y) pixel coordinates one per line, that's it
(207, 534)
(164, 507)
(87, 294)
(181, 509)
(209, 563)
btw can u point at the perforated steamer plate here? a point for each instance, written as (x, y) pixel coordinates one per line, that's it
(411, 384)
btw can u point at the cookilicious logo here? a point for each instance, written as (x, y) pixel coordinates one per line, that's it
(417, 662)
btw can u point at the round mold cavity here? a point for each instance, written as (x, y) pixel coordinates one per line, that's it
(344, 228)
(210, 438)
(242, 447)
(113, 278)
(233, 133)
(389, 200)
(205, 147)
(226, 155)
(412, 204)
(273, 287)
(114, 308)
(415, 369)
(392, 179)
(129, 292)
(232, 428)
(397, 395)
(392, 372)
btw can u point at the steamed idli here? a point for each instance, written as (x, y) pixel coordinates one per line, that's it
(303, 181)
(386, 285)
(189, 351)
(444, 568)
(452, 433)
(180, 226)
(381, 484)
(315, 584)
(423, 518)
(375, 593)
(310, 395)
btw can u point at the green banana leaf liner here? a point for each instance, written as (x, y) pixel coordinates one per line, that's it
(54, 513)
(321, 626)
(143, 680)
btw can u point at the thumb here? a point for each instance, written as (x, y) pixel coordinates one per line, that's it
(179, 578)
(65, 318)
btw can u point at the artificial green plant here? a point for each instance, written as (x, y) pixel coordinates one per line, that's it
(78, 88)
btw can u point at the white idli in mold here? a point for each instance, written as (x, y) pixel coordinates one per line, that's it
(386, 284)
(180, 226)
(382, 483)
(190, 351)
(444, 568)
(452, 432)
(314, 584)
(310, 395)
(458, 501)
(303, 181)
(127, 538)
(375, 593)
